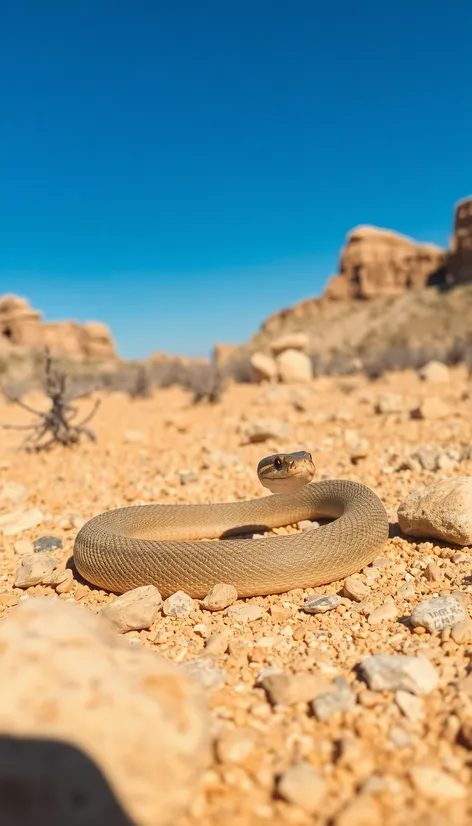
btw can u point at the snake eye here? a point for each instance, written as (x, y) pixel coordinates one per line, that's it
(277, 463)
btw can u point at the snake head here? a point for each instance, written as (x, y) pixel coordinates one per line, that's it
(285, 472)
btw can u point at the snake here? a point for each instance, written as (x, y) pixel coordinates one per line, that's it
(173, 547)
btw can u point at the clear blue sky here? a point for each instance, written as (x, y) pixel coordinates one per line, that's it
(182, 169)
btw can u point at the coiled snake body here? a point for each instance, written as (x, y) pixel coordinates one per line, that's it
(156, 544)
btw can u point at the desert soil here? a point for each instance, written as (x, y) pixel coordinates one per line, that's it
(163, 449)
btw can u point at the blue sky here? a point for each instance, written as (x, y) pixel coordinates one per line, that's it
(182, 170)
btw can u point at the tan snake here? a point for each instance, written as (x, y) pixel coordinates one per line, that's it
(155, 544)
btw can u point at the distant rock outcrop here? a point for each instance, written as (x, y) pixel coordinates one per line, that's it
(378, 262)
(460, 253)
(22, 326)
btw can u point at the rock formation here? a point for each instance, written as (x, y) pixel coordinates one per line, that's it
(22, 326)
(378, 262)
(460, 252)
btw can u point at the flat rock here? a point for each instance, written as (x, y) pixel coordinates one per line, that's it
(321, 604)
(337, 701)
(355, 589)
(33, 570)
(262, 429)
(435, 784)
(47, 543)
(302, 785)
(134, 610)
(12, 524)
(245, 612)
(438, 613)
(440, 511)
(288, 689)
(206, 672)
(399, 672)
(219, 597)
(107, 733)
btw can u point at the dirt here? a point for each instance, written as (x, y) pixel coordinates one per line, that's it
(363, 757)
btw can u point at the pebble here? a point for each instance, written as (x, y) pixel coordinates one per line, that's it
(236, 745)
(399, 672)
(33, 569)
(390, 403)
(134, 610)
(217, 644)
(435, 371)
(302, 785)
(399, 737)
(386, 611)
(438, 613)
(46, 543)
(460, 557)
(461, 632)
(432, 408)
(321, 604)
(178, 605)
(340, 700)
(245, 612)
(441, 511)
(262, 429)
(71, 687)
(219, 597)
(355, 589)
(435, 784)
(187, 477)
(411, 705)
(62, 581)
(23, 547)
(206, 672)
(288, 689)
(433, 572)
(11, 493)
(15, 523)
(406, 591)
(221, 460)
(361, 811)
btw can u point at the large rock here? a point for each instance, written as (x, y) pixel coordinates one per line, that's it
(22, 326)
(93, 730)
(378, 262)
(290, 341)
(441, 511)
(294, 366)
(459, 263)
(264, 367)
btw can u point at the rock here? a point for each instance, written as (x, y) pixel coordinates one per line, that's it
(303, 786)
(399, 737)
(459, 262)
(99, 723)
(217, 643)
(134, 436)
(11, 493)
(390, 403)
(23, 547)
(431, 408)
(394, 672)
(386, 611)
(355, 589)
(380, 262)
(18, 522)
(461, 632)
(47, 543)
(178, 605)
(219, 597)
(441, 511)
(33, 569)
(221, 459)
(263, 367)
(237, 744)
(460, 557)
(290, 341)
(294, 366)
(411, 706)
(426, 456)
(62, 581)
(360, 450)
(438, 613)
(434, 371)
(288, 689)
(245, 612)
(205, 672)
(433, 572)
(320, 604)
(435, 784)
(262, 429)
(134, 610)
(361, 811)
(337, 701)
(187, 477)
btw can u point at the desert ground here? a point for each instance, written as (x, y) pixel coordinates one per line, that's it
(373, 756)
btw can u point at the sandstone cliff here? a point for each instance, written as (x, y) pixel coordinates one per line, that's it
(22, 327)
(460, 254)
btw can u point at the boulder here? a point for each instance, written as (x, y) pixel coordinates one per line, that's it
(459, 264)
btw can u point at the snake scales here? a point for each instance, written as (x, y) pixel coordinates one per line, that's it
(157, 544)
